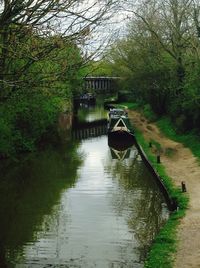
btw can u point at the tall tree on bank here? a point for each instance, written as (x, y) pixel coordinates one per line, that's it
(175, 24)
(24, 23)
(171, 23)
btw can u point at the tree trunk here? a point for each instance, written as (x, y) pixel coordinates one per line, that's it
(180, 74)
(3, 56)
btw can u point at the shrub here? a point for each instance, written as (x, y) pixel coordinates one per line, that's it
(26, 116)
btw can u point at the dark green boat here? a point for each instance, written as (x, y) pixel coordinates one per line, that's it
(119, 126)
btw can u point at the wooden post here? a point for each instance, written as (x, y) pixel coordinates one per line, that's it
(174, 204)
(183, 186)
(158, 159)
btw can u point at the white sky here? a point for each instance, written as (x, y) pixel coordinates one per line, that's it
(112, 29)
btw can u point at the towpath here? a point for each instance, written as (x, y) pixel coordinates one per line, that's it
(180, 166)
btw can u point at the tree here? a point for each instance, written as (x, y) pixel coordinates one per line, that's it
(30, 30)
(160, 58)
(171, 23)
(40, 63)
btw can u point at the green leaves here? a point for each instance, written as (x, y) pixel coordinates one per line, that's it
(25, 118)
(37, 81)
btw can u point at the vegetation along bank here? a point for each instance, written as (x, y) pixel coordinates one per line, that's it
(173, 247)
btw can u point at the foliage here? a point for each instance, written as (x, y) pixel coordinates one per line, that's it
(130, 105)
(101, 68)
(147, 111)
(32, 97)
(191, 140)
(26, 116)
(41, 64)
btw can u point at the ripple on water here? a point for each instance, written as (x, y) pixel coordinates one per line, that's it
(107, 219)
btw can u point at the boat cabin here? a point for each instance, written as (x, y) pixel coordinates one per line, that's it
(117, 113)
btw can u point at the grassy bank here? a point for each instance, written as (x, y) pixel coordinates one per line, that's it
(164, 245)
(190, 140)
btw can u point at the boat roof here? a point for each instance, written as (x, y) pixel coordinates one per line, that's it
(117, 112)
(116, 109)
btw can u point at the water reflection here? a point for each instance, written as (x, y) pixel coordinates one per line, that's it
(89, 121)
(90, 113)
(29, 190)
(86, 130)
(138, 197)
(121, 149)
(120, 155)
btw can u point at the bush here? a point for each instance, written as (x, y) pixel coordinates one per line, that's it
(26, 116)
(148, 113)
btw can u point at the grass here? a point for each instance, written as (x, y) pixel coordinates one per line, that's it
(170, 152)
(128, 105)
(111, 99)
(190, 140)
(156, 145)
(161, 254)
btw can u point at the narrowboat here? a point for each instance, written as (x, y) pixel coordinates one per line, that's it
(119, 126)
(87, 97)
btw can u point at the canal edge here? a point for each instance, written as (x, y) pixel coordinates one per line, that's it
(164, 247)
(171, 202)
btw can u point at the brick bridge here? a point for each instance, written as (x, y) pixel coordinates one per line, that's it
(101, 83)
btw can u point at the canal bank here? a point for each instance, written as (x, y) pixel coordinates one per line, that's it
(180, 165)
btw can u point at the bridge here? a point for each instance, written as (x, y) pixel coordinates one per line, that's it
(101, 83)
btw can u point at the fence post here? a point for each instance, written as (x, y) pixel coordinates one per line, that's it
(158, 159)
(183, 186)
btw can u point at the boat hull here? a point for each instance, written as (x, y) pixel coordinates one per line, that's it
(119, 135)
(120, 144)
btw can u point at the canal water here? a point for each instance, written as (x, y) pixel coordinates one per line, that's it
(79, 202)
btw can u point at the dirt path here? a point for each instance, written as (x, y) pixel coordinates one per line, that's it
(180, 165)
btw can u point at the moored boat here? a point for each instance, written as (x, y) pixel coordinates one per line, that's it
(119, 126)
(87, 97)
(120, 144)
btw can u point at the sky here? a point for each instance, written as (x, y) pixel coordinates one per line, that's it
(113, 28)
